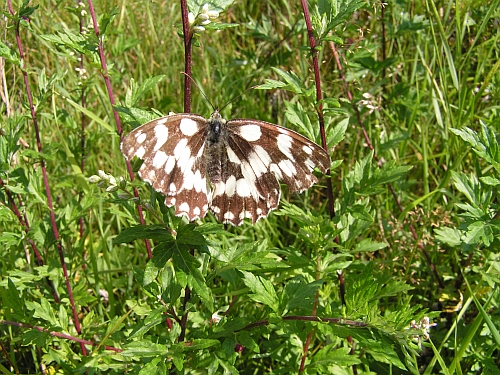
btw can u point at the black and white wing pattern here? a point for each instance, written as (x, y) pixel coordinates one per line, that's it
(230, 168)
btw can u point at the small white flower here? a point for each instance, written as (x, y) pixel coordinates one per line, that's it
(203, 17)
(94, 179)
(191, 18)
(213, 14)
(198, 29)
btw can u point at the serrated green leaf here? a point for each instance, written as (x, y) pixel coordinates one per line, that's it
(369, 245)
(187, 263)
(449, 236)
(188, 235)
(9, 54)
(300, 295)
(271, 84)
(360, 212)
(293, 82)
(11, 298)
(263, 290)
(144, 348)
(157, 232)
(43, 310)
(220, 26)
(145, 87)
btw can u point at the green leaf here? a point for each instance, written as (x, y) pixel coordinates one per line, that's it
(220, 26)
(134, 93)
(297, 294)
(195, 6)
(293, 82)
(11, 300)
(184, 261)
(43, 310)
(144, 349)
(271, 84)
(369, 245)
(9, 54)
(188, 235)
(449, 236)
(155, 231)
(263, 290)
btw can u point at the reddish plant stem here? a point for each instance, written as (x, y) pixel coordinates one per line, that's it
(321, 319)
(61, 335)
(188, 40)
(107, 81)
(82, 137)
(319, 98)
(23, 220)
(45, 177)
(379, 163)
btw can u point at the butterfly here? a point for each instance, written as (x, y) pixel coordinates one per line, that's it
(230, 167)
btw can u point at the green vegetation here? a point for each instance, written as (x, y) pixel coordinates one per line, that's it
(394, 270)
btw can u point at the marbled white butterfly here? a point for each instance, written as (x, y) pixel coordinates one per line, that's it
(230, 168)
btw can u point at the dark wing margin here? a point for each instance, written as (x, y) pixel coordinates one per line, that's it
(172, 150)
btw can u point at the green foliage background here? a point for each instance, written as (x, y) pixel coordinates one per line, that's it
(415, 232)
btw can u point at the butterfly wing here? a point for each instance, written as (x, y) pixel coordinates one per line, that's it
(172, 148)
(288, 154)
(246, 188)
(258, 154)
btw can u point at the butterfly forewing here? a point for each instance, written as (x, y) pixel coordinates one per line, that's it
(231, 168)
(172, 150)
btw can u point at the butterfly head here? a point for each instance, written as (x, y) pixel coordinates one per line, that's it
(216, 124)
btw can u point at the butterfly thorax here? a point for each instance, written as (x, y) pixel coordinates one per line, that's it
(215, 144)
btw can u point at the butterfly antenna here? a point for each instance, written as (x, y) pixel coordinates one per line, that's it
(199, 89)
(238, 96)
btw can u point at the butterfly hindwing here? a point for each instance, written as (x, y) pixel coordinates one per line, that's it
(247, 189)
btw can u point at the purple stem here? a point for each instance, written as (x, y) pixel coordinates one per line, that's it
(107, 81)
(45, 178)
(319, 98)
(379, 163)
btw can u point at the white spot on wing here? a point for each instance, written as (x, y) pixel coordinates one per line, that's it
(199, 183)
(140, 152)
(188, 127)
(307, 149)
(276, 170)
(250, 133)
(159, 159)
(229, 216)
(230, 186)
(232, 156)
(285, 145)
(219, 189)
(172, 187)
(263, 155)
(140, 137)
(161, 134)
(179, 149)
(256, 164)
(184, 207)
(287, 167)
(169, 165)
(243, 188)
(196, 211)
